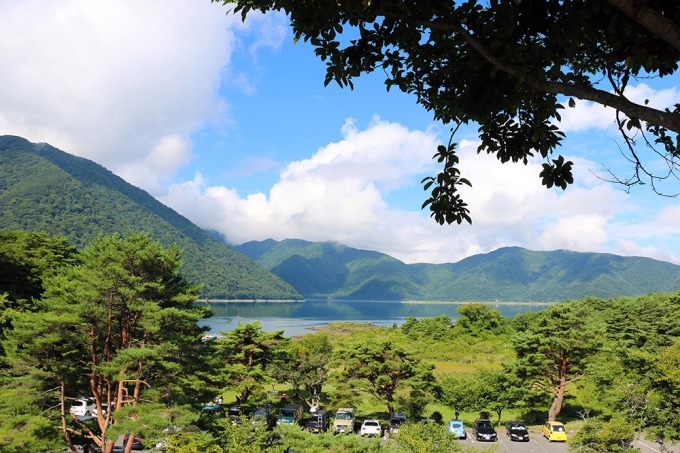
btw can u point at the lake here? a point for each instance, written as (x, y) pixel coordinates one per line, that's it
(298, 318)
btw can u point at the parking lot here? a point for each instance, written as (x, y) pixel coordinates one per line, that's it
(538, 443)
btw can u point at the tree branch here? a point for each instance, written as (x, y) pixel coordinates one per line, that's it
(652, 20)
(668, 120)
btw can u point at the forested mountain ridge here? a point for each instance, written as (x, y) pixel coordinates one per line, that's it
(45, 189)
(327, 269)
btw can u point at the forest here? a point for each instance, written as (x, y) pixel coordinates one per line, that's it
(115, 324)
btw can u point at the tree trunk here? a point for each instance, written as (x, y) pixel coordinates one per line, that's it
(62, 406)
(245, 393)
(556, 406)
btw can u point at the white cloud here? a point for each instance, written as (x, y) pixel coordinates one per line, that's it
(632, 248)
(115, 82)
(586, 115)
(340, 194)
(337, 194)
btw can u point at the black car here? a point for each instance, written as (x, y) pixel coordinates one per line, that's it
(318, 421)
(237, 413)
(483, 430)
(517, 431)
(395, 423)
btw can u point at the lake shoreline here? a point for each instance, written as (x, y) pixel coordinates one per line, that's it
(298, 318)
(408, 302)
(250, 301)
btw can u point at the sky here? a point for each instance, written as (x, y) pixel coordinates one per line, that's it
(229, 123)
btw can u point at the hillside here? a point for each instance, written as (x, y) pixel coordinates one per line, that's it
(326, 269)
(45, 189)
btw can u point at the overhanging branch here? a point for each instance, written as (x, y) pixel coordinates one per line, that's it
(652, 20)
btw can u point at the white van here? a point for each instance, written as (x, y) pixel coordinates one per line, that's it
(82, 407)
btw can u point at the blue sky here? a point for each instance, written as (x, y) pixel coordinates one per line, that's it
(230, 125)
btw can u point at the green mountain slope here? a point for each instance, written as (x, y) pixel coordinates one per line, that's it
(321, 270)
(45, 189)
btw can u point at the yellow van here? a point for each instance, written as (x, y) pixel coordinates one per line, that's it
(554, 431)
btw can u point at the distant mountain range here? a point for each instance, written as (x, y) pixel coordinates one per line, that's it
(332, 270)
(45, 189)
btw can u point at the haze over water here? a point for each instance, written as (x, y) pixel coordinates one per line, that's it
(296, 318)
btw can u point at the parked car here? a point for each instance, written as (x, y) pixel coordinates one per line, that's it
(457, 428)
(318, 421)
(395, 423)
(371, 428)
(517, 431)
(137, 443)
(554, 431)
(210, 414)
(483, 430)
(82, 407)
(344, 421)
(105, 408)
(236, 414)
(264, 414)
(290, 414)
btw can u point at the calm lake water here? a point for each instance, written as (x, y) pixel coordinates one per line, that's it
(298, 318)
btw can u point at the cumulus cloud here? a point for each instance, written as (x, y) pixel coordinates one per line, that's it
(337, 194)
(123, 83)
(340, 193)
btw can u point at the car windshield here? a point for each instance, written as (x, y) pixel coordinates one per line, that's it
(234, 412)
(517, 427)
(485, 425)
(287, 413)
(343, 416)
(558, 428)
(456, 424)
(371, 423)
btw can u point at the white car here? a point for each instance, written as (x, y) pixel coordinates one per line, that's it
(105, 408)
(82, 407)
(371, 428)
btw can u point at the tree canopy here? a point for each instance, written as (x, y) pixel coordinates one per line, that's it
(508, 66)
(121, 329)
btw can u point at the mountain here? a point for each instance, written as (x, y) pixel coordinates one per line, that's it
(45, 189)
(512, 274)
